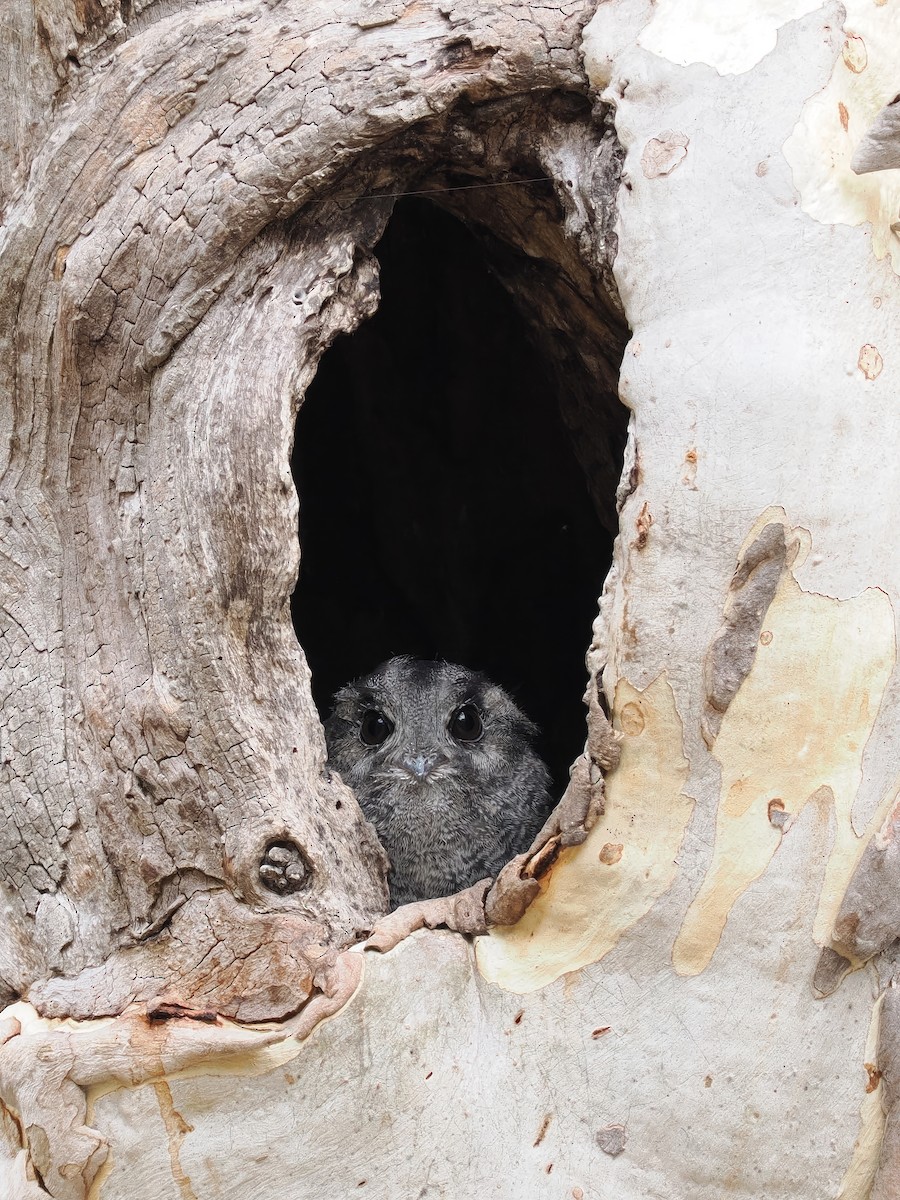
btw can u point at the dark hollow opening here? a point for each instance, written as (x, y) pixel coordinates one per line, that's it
(443, 512)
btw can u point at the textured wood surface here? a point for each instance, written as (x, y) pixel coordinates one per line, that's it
(684, 1008)
(190, 236)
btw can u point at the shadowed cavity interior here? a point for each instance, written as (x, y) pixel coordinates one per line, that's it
(443, 510)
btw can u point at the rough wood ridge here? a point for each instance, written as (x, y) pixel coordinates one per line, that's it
(183, 237)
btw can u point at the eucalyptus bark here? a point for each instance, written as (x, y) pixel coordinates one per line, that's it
(192, 195)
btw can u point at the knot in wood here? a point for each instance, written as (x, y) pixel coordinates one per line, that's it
(283, 868)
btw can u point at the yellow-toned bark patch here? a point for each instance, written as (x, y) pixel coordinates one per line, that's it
(795, 731)
(602, 888)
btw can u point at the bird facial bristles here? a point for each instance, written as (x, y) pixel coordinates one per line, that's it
(443, 764)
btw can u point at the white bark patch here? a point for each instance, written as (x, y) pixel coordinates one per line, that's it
(430, 1076)
(837, 120)
(733, 38)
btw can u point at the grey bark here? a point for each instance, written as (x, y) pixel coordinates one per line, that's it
(189, 223)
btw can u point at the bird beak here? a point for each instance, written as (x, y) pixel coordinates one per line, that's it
(420, 766)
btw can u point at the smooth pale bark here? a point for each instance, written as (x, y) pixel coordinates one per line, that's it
(188, 223)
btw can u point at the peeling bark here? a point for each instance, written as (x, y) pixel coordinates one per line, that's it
(888, 1069)
(869, 917)
(732, 651)
(191, 196)
(46, 1074)
(879, 150)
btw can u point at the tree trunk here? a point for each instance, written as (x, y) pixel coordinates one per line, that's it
(684, 988)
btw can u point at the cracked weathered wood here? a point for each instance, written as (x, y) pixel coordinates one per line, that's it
(183, 233)
(190, 237)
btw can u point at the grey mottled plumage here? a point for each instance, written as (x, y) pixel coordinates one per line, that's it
(442, 762)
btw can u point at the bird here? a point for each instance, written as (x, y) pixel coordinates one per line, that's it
(444, 765)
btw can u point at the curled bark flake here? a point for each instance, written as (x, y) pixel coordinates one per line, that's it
(580, 808)
(868, 919)
(604, 746)
(888, 1064)
(463, 912)
(512, 892)
(733, 649)
(831, 969)
(339, 987)
(642, 527)
(879, 148)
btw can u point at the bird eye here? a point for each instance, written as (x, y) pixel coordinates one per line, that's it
(466, 724)
(375, 728)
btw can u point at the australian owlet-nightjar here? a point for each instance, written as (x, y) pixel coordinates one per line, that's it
(443, 765)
